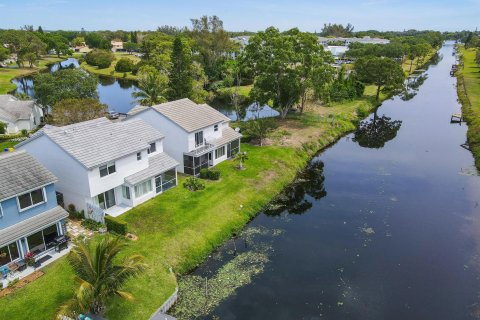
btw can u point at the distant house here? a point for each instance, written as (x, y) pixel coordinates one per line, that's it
(30, 218)
(18, 114)
(117, 45)
(105, 167)
(325, 41)
(197, 135)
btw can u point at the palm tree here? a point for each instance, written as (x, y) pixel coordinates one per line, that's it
(153, 87)
(241, 157)
(100, 275)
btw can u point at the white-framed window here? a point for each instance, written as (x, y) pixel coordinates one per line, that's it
(31, 199)
(143, 188)
(1, 211)
(152, 148)
(198, 138)
(220, 152)
(139, 156)
(107, 169)
(215, 127)
(126, 192)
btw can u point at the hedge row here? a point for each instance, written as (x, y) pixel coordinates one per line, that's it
(116, 226)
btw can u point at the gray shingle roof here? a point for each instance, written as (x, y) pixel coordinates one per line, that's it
(156, 165)
(187, 114)
(99, 141)
(20, 172)
(228, 134)
(12, 109)
(30, 225)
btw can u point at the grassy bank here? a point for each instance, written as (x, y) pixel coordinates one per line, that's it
(110, 71)
(8, 74)
(179, 229)
(468, 88)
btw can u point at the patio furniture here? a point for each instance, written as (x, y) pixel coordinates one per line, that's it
(22, 265)
(13, 267)
(5, 271)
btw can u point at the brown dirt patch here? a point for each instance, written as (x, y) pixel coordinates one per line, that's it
(21, 283)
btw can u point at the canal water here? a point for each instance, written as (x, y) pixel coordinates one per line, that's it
(117, 93)
(386, 224)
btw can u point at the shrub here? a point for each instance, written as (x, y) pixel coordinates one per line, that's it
(116, 226)
(124, 65)
(100, 58)
(24, 132)
(194, 184)
(210, 174)
(73, 213)
(91, 224)
(3, 127)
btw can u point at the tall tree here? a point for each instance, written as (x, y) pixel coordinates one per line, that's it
(153, 86)
(285, 66)
(313, 63)
(181, 73)
(337, 30)
(212, 42)
(101, 275)
(385, 73)
(51, 88)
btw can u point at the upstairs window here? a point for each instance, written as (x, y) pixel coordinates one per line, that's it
(152, 148)
(107, 169)
(139, 156)
(198, 138)
(31, 199)
(215, 127)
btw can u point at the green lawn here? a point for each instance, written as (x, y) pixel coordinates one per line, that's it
(7, 144)
(469, 82)
(178, 229)
(7, 74)
(110, 71)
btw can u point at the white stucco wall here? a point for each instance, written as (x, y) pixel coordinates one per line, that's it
(175, 142)
(72, 176)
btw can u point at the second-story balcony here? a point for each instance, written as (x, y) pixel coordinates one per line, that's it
(203, 148)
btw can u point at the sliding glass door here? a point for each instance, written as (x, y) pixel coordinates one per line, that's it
(106, 199)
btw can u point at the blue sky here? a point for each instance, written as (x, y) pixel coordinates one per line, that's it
(308, 15)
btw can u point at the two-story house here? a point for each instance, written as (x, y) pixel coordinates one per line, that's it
(196, 135)
(104, 167)
(19, 115)
(30, 218)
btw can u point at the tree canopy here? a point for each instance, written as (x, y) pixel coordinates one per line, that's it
(285, 65)
(51, 88)
(383, 72)
(69, 111)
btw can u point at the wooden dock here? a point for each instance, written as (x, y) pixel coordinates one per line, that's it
(456, 118)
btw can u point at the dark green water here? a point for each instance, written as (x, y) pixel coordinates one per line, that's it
(382, 228)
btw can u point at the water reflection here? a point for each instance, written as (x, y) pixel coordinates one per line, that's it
(412, 86)
(309, 181)
(377, 131)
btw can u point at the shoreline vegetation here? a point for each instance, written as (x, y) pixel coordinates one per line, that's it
(8, 74)
(110, 71)
(177, 230)
(468, 89)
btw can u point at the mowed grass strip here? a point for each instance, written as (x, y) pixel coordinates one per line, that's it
(469, 81)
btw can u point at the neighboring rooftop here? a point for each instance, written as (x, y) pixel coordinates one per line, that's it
(12, 109)
(30, 225)
(187, 114)
(99, 141)
(20, 172)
